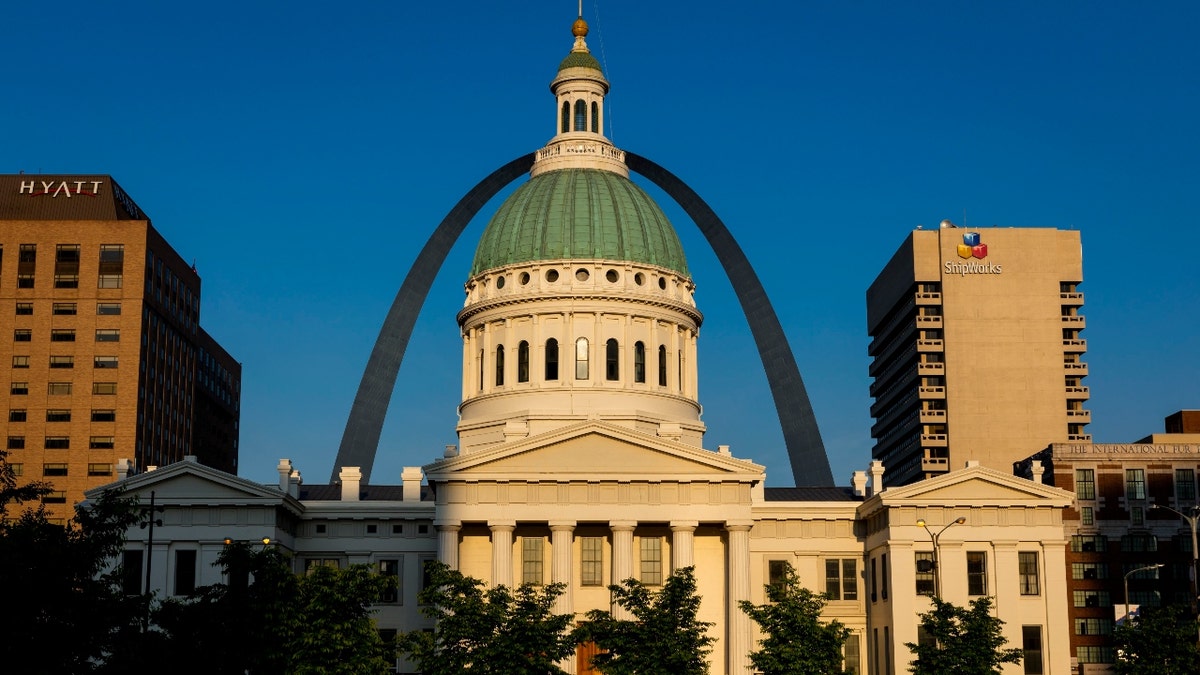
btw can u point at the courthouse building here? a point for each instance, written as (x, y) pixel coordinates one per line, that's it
(103, 353)
(581, 456)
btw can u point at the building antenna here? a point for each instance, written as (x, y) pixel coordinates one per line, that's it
(608, 107)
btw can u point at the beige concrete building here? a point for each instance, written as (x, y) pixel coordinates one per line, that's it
(976, 347)
(103, 356)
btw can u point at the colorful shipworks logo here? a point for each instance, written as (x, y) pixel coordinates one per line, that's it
(971, 248)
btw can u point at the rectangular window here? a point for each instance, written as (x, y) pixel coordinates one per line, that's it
(1087, 515)
(63, 309)
(976, 573)
(1139, 543)
(22, 335)
(58, 415)
(99, 469)
(591, 556)
(925, 571)
(20, 362)
(1089, 543)
(16, 442)
(1135, 484)
(112, 265)
(17, 415)
(1028, 563)
(874, 581)
(311, 564)
(108, 308)
(19, 389)
(24, 309)
(108, 335)
(1185, 485)
(104, 362)
(54, 469)
(57, 443)
(101, 443)
(651, 561)
(18, 469)
(131, 572)
(1085, 483)
(104, 415)
(841, 579)
(66, 266)
(883, 576)
(1089, 570)
(56, 497)
(852, 659)
(532, 552)
(62, 361)
(1093, 626)
(62, 335)
(1091, 598)
(26, 265)
(1031, 648)
(1093, 654)
(776, 572)
(185, 572)
(391, 570)
(1137, 516)
(59, 388)
(104, 388)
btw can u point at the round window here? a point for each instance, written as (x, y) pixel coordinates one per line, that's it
(639, 278)
(662, 283)
(581, 274)
(612, 276)
(524, 278)
(552, 276)
(499, 282)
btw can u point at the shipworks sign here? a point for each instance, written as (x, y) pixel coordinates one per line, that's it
(974, 255)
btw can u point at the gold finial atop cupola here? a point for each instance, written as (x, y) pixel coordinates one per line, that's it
(579, 28)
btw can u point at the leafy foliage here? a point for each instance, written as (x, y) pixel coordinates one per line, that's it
(57, 581)
(1158, 641)
(795, 641)
(961, 641)
(480, 628)
(665, 636)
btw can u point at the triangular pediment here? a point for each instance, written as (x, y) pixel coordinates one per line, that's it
(978, 486)
(189, 482)
(593, 451)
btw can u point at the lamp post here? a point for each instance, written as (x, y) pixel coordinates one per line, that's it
(937, 572)
(1191, 521)
(1130, 573)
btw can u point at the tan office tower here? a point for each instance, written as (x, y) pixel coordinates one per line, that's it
(976, 349)
(103, 352)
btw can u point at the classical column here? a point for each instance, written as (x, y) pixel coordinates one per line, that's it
(502, 551)
(561, 535)
(739, 625)
(622, 558)
(683, 544)
(448, 541)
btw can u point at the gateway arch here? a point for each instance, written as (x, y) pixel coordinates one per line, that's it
(806, 451)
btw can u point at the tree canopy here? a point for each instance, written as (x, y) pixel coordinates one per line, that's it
(795, 641)
(665, 636)
(961, 641)
(491, 629)
(1158, 641)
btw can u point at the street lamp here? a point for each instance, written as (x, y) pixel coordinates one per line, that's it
(1127, 575)
(937, 573)
(1191, 521)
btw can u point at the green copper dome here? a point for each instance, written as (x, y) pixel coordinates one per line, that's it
(586, 214)
(580, 60)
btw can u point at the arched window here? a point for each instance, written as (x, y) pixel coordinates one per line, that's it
(580, 116)
(662, 365)
(595, 117)
(639, 362)
(480, 370)
(581, 359)
(566, 117)
(612, 364)
(500, 366)
(523, 362)
(551, 359)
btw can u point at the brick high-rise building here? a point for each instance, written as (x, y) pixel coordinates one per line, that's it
(976, 348)
(104, 356)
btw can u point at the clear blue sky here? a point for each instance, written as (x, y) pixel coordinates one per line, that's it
(302, 152)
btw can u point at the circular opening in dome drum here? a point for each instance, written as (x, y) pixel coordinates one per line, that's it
(499, 282)
(639, 278)
(524, 278)
(552, 276)
(662, 283)
(581, 274)
(612, 276)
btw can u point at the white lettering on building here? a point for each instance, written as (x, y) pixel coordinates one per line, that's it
(54, 189)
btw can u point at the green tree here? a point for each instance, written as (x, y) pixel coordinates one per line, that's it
(58, 581)
(1158, 641)
(665, 636)
(795, 641)
(961, 641)
(488, 629)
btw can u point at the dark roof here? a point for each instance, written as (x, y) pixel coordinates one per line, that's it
(378, 493)
(65, 197)
(811, 494)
